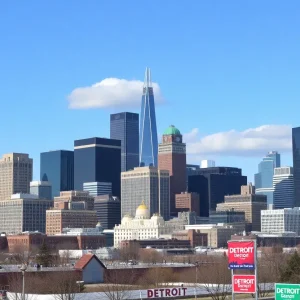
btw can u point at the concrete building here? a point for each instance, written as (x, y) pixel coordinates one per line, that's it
(149, 184)
(283, 186)
(188, 202)
(57, 219)
(207, 163)
(172, 157)
(23, 212)
(97, 188)
(43, 189)
(108, 209)
(15, 174)
(296, 165)
(247, 202)
(281, 220)
(75, 196)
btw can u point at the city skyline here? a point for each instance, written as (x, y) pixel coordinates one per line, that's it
(217, 75)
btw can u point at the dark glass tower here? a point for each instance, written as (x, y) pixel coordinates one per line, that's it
(296, 164)
(97, 160)
(57, 167)
(125, 127)
(148, 131)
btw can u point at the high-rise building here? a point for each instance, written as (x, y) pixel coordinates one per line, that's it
(15, 174)
(148, 130)
(23, 212)
(43, 189)
(76, 196)
(148, 184)
(212, 184)
(207, 163)
(296, 164)
(125, 127)
(191, 170)
(247, 202)
(108, 209)
(188, 202)
(57, 167)
(97, 188)
(172, 157)
(283, 185)
(264, 178)
(97, 160)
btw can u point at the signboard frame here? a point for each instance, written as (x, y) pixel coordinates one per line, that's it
(239, 276)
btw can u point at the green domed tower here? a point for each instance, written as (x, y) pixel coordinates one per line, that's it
(172, 157)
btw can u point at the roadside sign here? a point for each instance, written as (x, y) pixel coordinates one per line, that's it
(287, 291)
(241, 255)
(244, 284)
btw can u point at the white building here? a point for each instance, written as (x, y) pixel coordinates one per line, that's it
(98, 188)
(207, 163)
(283, 186)
(281, 220)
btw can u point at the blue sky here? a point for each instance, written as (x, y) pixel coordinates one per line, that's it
(225, 69)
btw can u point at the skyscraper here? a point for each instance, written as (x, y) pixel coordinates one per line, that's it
(296, 164)
(148, 131)
(172, 157)
(125, 127)
(43, 189)
(57, 167)
(97, 160)
(15, 174)
(264, 178)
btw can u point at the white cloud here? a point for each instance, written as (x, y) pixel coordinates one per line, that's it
(251, 142)
(111, 92)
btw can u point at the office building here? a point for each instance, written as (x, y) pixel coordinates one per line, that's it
(280, 220)
(172, 157)
(212, 184)
(15, 174)
(249, 203)
(125, 127)
(57, 167)
(191, 170)
(188, 202)
(108, 209)
(43, 189)
(264, 177)
(147, 183)
(148, 131)
(296, 164)
(228, 217)
(283, 186)
(58, 219)
(75, 197)
(97, 188)
(97, 160)
(23, 212)
(207, 163)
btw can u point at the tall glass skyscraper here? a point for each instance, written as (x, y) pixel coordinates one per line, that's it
(264, 178)
(296, 164)
(125, 127)
(148, 130)
(58, 168)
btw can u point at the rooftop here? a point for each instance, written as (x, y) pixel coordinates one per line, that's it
(172, 130)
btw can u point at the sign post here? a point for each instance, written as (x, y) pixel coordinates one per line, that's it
(284, 291)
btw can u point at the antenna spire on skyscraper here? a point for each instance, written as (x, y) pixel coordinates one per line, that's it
(147, 81)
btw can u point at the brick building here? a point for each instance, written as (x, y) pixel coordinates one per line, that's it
(74, 196)
(188, 202)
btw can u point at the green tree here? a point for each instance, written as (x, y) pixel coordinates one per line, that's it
(44, 256)
(291, 271)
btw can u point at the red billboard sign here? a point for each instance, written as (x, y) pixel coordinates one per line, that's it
(244, 284)
(164, 293)
(241, 254)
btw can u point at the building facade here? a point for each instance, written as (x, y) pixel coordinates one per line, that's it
(172, 157)
(23, 212)
(97, 160)
(148, 131)
(208, 163)
(296, 165)
(43, 189)
(125, 127)
(264, 177)
(188, 202)
(212, 184)
(57, 167)
(283, 186)
(108, 209)
(15, 174)
(97, 188)
(147, 183)
(247, 202)
(280, 220)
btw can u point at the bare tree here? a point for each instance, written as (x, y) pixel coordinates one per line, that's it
(129, 252)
